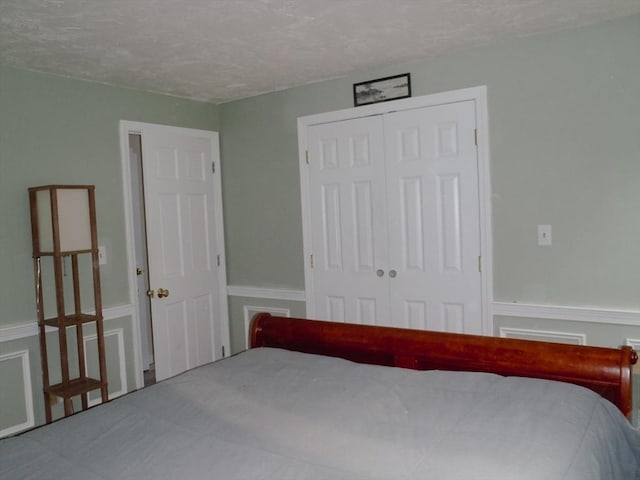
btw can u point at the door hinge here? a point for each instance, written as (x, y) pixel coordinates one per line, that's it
(213, 167)
(306, 155)
(312, 261)
(480, 263)
(475, 136)
(218, 259)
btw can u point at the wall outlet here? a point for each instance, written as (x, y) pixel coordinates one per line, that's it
(102, 255)
(544, 235)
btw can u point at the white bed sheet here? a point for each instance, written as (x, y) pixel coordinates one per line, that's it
(275, 414)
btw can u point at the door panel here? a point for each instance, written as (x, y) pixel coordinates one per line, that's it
(434, 229)
(203, 306)
(411, 235)
(182, 245)
(175, 343)
(349, 232)
(448, 198)
(413, 314)
(169, 239)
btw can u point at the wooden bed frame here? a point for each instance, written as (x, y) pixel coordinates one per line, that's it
(606, 371)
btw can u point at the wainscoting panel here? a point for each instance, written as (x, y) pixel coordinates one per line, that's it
(16, 402)
(272, 293)
(19, 346)
(634, 343)
(544, 336)
(250, 311)
(116, 366)
(559, 312)
(246, 301)
(24, 330)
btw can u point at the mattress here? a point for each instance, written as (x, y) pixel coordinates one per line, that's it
(275, 414)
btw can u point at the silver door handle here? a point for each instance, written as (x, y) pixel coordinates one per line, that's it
(380, 272)
(392, 273)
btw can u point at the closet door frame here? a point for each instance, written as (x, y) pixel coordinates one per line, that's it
(476, 94)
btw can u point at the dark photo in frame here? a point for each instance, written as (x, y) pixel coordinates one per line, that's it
(382, 89)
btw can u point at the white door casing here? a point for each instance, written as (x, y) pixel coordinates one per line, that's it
(142, 279)
(433, 175)
(185, 240)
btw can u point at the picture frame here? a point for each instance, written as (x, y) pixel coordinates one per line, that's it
(382, 89)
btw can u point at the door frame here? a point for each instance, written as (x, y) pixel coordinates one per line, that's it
(479, 96)
(127, 127)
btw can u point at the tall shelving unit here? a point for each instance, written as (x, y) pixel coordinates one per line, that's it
(63, 226)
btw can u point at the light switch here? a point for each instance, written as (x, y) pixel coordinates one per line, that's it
(544, 235)
(102, 255)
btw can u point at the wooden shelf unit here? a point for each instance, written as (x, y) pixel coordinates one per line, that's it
(54, 209)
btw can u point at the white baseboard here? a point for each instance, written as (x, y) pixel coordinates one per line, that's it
(554, 312)
(577, 314)
(25, 330)
(270, 293)
(15, 332)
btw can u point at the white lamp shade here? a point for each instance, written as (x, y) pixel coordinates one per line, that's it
(74, 220)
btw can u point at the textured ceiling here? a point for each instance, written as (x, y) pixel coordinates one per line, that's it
(221, 50)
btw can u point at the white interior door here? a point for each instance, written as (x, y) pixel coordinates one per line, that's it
(434, 226)
(185, 247)
(395, 219)
(349, 221)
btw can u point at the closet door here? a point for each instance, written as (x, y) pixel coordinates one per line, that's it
(395, 219)
(349, 237)
(433, 218)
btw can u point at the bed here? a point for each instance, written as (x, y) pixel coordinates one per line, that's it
(318, 400)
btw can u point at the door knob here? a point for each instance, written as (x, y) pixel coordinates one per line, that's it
(392, 274)
(380, 272)
(150, 293)
(163, 292)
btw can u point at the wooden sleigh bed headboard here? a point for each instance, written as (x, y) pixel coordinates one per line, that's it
(606, 371)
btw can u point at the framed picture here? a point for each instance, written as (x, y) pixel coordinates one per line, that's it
(382, 89)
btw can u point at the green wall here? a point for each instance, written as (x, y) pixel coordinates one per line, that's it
(564, 143)
(58, 130)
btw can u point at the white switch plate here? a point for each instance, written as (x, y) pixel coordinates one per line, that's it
(102, 255)
(544, 235)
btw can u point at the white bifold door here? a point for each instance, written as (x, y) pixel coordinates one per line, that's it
(395, 222)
